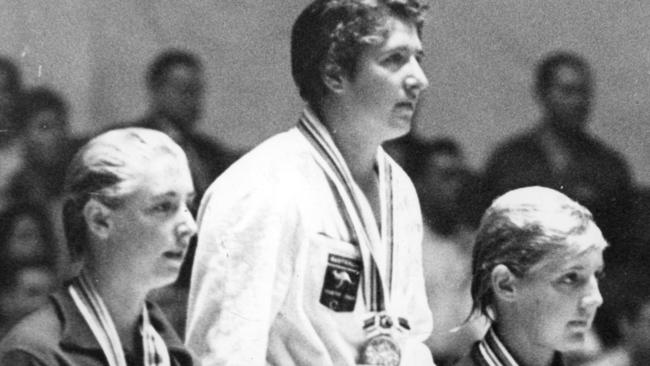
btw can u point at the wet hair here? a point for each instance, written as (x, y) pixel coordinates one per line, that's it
(330, 35)
(521, 229)
(165, 61)
(107, 169)
(39, 99)
(545, 71)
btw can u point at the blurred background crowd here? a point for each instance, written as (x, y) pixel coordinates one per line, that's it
(457, 166)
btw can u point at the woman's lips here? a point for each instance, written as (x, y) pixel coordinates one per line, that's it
(174, 254)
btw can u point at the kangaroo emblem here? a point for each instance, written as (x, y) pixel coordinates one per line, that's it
(341, 276)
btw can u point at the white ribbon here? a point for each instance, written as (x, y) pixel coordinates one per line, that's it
(96, 315)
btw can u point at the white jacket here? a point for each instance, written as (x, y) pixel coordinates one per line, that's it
(267, 228)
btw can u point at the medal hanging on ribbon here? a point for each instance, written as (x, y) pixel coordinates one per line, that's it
(380, 347)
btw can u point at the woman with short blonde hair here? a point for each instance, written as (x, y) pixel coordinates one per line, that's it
(536, 264)
(126, 217)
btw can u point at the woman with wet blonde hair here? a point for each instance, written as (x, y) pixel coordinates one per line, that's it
(536, 263)
(126, 217)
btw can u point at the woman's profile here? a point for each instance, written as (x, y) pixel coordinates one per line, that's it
(126, 216)
(536, 264)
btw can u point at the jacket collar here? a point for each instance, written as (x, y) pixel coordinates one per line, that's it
(76, 333)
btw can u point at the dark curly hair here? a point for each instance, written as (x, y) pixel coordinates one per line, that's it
(329, 35)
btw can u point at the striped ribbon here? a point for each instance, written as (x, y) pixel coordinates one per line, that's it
(492, 352)
(96, 315)
(349, 202)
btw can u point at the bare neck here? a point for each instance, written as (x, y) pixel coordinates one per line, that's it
(359, 149)
(357, 145)
(122, 297)
(517, 341)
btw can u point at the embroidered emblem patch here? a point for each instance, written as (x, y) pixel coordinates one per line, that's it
(341, 283)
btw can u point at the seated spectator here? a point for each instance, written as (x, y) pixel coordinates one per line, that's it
(127, 216)
(26, 235)
(176, 86)
(535, 268)
(24, 287)
(627, 291)
(43, 116)
(48, 148)
(447, 189)
(27, 263)
(560, 153)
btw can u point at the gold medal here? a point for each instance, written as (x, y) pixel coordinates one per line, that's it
(381, 350)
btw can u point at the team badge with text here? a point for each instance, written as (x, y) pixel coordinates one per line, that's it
(341, 283)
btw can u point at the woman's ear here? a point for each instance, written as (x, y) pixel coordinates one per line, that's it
(98, 218)
(503, 283)
(332, 77)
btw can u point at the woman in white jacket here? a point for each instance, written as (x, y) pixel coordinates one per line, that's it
(309, 247)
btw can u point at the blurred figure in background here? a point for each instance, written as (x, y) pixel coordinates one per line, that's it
(45, 131)
(48, 147)
(26, 234)
(10, 149)
(28, 257)
(449, 196)
(560, 152)
(447, 187)
(24, 287)
(176, 85)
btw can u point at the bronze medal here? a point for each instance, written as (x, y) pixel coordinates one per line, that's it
(381, 350)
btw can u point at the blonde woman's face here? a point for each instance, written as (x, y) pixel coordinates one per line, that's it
(557, 300)
(154, 227)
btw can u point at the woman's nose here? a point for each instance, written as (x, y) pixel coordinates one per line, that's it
(593, 297)
(187, 228)
(416, 81)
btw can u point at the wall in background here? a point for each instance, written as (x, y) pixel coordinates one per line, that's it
(480, 57)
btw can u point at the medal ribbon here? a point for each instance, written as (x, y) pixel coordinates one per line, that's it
(331, 161)
(96, 315)
(493, 352)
